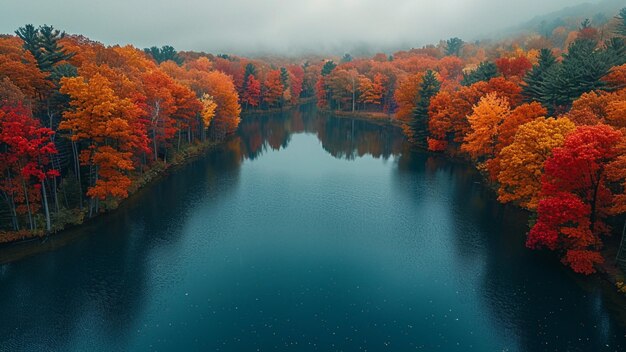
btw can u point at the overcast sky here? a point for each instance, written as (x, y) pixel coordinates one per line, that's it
(281, 26)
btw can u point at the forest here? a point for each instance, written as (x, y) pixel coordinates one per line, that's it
(542, 116)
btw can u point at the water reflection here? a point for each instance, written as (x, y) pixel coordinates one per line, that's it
(234, 251)
(341, 137)
(528, 293)
(98, 283)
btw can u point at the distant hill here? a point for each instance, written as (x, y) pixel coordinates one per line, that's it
(570, 17)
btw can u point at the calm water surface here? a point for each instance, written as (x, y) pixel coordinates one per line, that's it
(304, 233)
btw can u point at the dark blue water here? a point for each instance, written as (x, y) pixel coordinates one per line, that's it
(304, 233)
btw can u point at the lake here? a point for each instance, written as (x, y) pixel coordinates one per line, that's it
(305, 232)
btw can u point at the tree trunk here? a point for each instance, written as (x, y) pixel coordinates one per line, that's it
(77, 172)
(179, 138)
(353, 94)
(55, 195)
(91, 199)
(592, 216)
(45, 204)
(154, 144)
(30, 214)
(11, 202)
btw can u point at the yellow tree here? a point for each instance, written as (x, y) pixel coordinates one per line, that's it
(486, 118)
(208, 109)
(521, 163)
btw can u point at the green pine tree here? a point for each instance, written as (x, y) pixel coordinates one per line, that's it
(163, 54)
(484, 72)
(454, 46)
(533, 82)
(419, 125)
(621, 24)
(43, 44)
(581, 71)
(328, 67)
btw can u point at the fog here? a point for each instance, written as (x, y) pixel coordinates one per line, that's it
(276, 26)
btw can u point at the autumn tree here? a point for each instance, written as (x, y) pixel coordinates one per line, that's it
(208, 110)
(513, 67)
(577, 197)
(616, 78)
(521, 163)
(448, 111)
(366, 91)
(296, 79)
(486, 118)
(451, 68)
(600, 107)
(274, 88)
(25, 152)
(161, 105)
(102, 122)
(507, 129)
(252, 94)
(221, 87)
(321, 92)
(19, 68)
(406, 96)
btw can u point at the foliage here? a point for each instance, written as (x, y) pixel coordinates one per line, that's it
(577, 197)
(163, 54)
(453, 46)
(521, 162)
(484, 72)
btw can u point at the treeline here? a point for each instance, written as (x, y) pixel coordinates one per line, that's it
(83, 124)
(546, 123)
(543, 115)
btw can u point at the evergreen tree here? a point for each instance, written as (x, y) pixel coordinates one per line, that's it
(485, 71)
(163, 54)
(346, 58)
(581, 71)
(621, 24)
(328, 67)
(30, 35)
(284, 77)
(249, 70)
(43, 44)
(533, 82)
(453, 46)
(419, 125)
(615, 51)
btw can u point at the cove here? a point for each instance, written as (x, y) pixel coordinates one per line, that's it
(304, 232)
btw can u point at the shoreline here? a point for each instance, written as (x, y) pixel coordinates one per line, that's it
(141, 182)
(609, 272)
(371, 116)
(256, 112)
